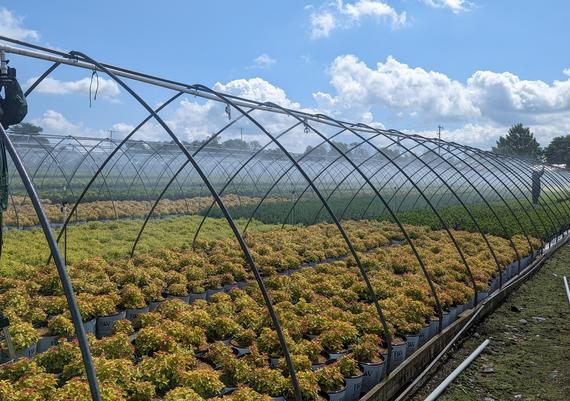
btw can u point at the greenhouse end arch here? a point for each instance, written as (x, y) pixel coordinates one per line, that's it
(149, 269)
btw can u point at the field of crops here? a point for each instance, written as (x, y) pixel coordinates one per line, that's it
(178, 323)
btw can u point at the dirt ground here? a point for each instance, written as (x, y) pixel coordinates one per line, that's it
(529, 354)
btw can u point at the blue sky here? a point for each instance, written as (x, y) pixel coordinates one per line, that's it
(476, 67)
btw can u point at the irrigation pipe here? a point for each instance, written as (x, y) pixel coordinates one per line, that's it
(567, 288)
(439, 389)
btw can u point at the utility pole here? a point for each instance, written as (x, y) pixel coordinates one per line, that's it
(439, 128)
(111, 139)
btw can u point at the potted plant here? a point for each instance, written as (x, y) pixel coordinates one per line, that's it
(123, 326)
(222, 328)
(153, 294)
(205, 382)
(178, 291)
(236, 372)
(268, 343)
(86, 304)
(247, 394)
(309, 387)
(153, 339)
(268, 381)
(77, 389)
(57, 327)
(336, 339)
(197, 290)
(313, 350)
(368, 353)
(56, 358)
(242, 340)
(228, 281)
(213, 285)
(315, 324)
(300, 363)
(24, 337)
(165, 369)
(331, 382)
(133, 300)
(399, 346)
(107, 314)
(117, 346)
(182, 394)
(140, 390)
(353, 375)
(34, 386)
(193, 337)
(218, 354)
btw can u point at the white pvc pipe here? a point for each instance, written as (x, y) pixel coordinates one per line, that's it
(439, 389)
(567, 288)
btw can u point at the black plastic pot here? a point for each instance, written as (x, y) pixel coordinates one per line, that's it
(90, 325)
(337, 395)
(197, 296)
(183, 298)
(212, 292)
(334, 355)
(46, 342)
(132, 314)
(373, 373)
(239, 350)
(28, 352)
(105, 323)
(412, 344)
(353, 387)
(424, 336)
(153, 305)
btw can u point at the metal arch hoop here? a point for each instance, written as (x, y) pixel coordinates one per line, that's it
(231, 180)
(393, 215)
(497, 192)
(109, 157)
(335, 188)
(508, 236)
(61, 269)
(492, 160)
(174, 176)
(460, 201)
(336, 221)
(281, 177)
(224, 210)
(88, 154)
(362, 270)
(48, 155)
(516, 162)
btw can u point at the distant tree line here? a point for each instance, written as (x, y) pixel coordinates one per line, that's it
(520, 142)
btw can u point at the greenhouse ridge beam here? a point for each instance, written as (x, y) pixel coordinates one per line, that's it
(189, 89)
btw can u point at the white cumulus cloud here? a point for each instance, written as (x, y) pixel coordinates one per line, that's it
(54, 122)
(264, 61)
(456, 6)
(107, 87)
(13, 26)
(322, 24)
(433, 96)
(343, 15)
